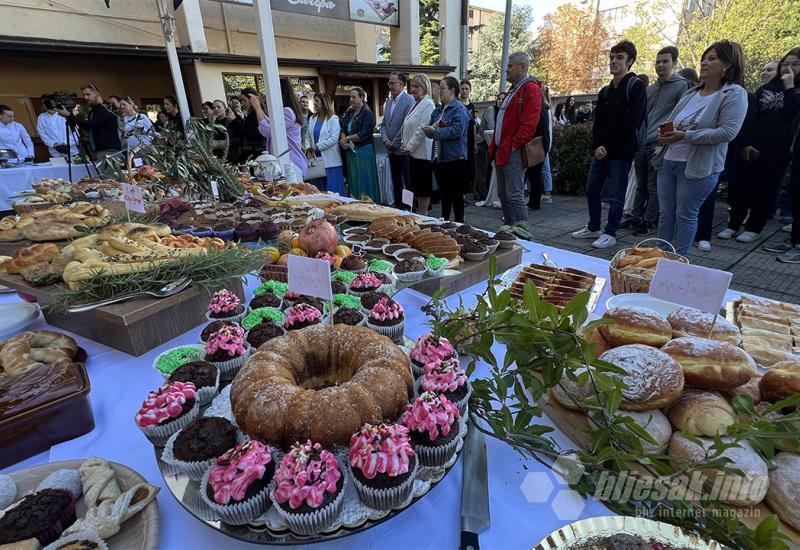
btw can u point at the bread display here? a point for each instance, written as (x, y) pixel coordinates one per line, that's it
(654, 379)
(360, 211)
(701, 413)
(35, 349)
(555, 285)
(569, 394)
(596, 340)
(688, 321)
(781, 381)
(55, 223)
(30, 256)
(784, 488)
(404, 229)
(320, 383)
(740, 491)
(711, 364)
(635, 325)
(770, 329)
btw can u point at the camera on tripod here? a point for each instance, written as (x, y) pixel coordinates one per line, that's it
(61, 99)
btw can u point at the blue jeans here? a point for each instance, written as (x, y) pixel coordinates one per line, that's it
(614, 174)
(680, 199)
(547, 175)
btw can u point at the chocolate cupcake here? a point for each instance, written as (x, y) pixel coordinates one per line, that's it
(348, 316)
(225, 305)
(294, 299)
(353, 263)
(268, 299)
(301, 316)
(211, 328)
(369, 299)
(408, 254)
(474, 251)
(43, 515)
(203, 375)
(410, 270)
(338, 287)
(263, 332)
(193, 449)
(433, 424)
(246, 232)
(167, 410)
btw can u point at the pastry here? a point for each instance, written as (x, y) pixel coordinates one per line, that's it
(596, 340)
(301, 316)
(449, 379)
(654, 379)
(63, 479)
(322, 383)
(767, 356)
(688, 321)
(42, 515)
(701, 413)
(387, 318)
(784, 488)
(432, 421)
(30, 256)
(87, 540)
(736, 490)
(635, 325)
(99, 482)
(34, 349)
(750, 388)
(711, 364)
(654, 423)
(383, 465)
(107, 518)
(568, 393)
(781, 381)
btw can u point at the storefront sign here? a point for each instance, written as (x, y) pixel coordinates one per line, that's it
(694, 286)
(377, 12)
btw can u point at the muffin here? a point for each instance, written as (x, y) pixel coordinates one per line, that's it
(430, 348)
(348, 316)
(410, 270)
(268, 299)
(435, 265)
(203, 375)
(225, 305)
(353, 263)
(409, 254)
(236, 486)
(345, 300)
(211, 328)
(260, 315)
(344, 276)
(432, 421)
(172, 359)
(474, 251)
(448, 379)
(167, 410)
(338, 287)
(246, 232)
(376, 245)
(275, 287)
(264, 332)
(387, 318)
(227, 350)
(193, 449)
(505, 239)
(383, 465)
(309, 488)
(298, 299)
(363, 283)
(369, 300)
(301, 316)
(42, 515)
(380, 266)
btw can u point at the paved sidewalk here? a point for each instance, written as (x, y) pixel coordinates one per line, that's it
(754, 271)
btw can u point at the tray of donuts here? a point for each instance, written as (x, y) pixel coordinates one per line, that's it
(681, 379)
(44, 393)
(632, 269)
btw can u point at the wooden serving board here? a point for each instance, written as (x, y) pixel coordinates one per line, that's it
(135, 326)
(575, 426)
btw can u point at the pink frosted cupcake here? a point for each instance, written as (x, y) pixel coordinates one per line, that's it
(433, 422)
(301, 316)
(430, 348)
(388, 318)
(448, 379)
(309, 488)
(236, 486)
(167, 410)
(383, 465)
(225, 306)
(227, 349)
(363, 283)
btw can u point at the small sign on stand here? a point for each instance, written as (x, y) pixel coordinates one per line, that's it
(132, 195)
(408, 198)
(214, 189)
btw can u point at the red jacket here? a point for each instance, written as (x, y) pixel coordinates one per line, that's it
(520, 121)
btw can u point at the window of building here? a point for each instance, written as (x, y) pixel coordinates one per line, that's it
(471, 14)
(234, 82)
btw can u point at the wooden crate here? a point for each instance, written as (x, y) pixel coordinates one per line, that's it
(135, 326)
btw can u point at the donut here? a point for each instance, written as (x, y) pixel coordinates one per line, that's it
(784, 488)
(688, 321)
(701, 413)
(654, 379)
(711, 364)
(35, 348)
(781, 381)
(321, 383)
(596, 340)
(635, 325)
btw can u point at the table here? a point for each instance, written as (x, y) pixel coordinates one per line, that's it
(14, 180)
(527, 501)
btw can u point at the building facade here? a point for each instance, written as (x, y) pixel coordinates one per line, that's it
(477, 19)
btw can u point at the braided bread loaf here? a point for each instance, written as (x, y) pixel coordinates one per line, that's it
(36, 348)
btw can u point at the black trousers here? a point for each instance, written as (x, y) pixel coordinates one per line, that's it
(535, 186)
(420, 178)
(450, 176)
(753, 190)
(705, 218)
(481, 183)
(794, 189)
(398, 165)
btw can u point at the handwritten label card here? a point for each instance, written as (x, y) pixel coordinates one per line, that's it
(310, 276)
(137, 162)
(214, 189)
(694, 286)
(133, 197)
(408, 198)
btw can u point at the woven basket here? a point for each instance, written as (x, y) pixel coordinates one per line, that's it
(274, 272)
(625, 283)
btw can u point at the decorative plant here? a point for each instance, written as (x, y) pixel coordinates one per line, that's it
(571, 153)
(543, 346)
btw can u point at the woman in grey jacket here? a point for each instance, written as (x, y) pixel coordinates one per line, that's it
(703, 122)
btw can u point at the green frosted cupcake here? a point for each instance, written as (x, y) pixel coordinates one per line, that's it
(171, 360)
(343, 275)
(259, 315)
(381, 266)
(435, 265)
(276, 287)
(345, 300)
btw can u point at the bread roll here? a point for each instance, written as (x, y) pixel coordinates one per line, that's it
(653, 378)
(784, 488)
(767, 356)
(750, 388)
(781, 381)
(740, 491)
(688, 321)
(636, 325)
(701, 413)
(709, 364)
(654, 423)
(768, 339)
(596, 340)
(747, 322)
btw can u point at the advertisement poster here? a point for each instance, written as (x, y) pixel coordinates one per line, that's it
(379, 12)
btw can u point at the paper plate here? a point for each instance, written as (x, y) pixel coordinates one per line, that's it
(15, 317)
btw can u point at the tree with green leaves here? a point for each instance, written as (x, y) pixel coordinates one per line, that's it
(485, 67)
(649, 34)
(429, 32)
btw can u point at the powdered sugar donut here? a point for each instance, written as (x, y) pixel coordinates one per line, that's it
(654, 379)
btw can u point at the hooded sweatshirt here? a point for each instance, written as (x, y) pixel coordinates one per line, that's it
(661, 100)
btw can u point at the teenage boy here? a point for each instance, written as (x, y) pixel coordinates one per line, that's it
(618, 119)
(662, 96)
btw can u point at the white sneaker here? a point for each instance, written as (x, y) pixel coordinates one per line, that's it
(480, 204)
(604, 241)
(747, 237)
(704, 246)
(787, 228)
(584, 233)
(726, 233)
(547, 198)
(497, 204)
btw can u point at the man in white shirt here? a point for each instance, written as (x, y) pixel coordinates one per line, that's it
(52, 128)
(13, 135)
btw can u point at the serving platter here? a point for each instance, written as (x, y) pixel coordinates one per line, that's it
(508, 278)
(16, 316)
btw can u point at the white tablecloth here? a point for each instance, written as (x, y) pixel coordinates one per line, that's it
(120, 383)
(14, 180)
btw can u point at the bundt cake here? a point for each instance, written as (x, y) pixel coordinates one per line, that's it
(320, 383)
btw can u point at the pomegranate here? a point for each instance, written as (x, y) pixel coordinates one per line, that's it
(318, 236)
(146, 171)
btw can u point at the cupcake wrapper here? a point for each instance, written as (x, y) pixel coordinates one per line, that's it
(200, 351)
(158, 435)
(385, 499)
(506, 244)
(206, 394)
(88, 535)
(234, 319)
(241, 512)
(193, 470)
(358, 294)
(493, 248)
(394, 332)
(436, 272)
(228, 369)
(475, 256)
(411, 276)
(434, 457)
(317, 521)
(388, 288)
